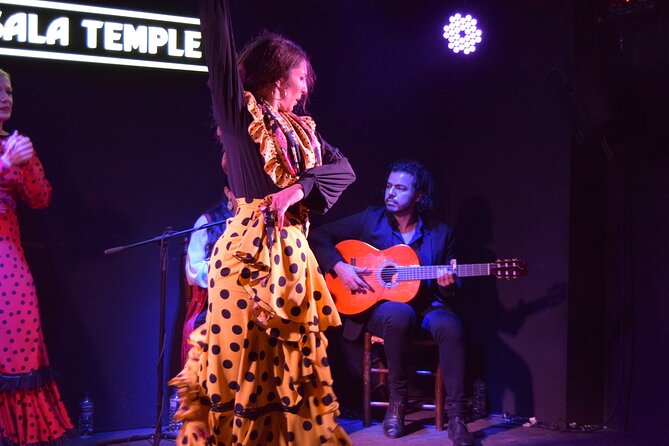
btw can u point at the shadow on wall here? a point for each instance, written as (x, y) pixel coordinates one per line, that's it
(485, 318)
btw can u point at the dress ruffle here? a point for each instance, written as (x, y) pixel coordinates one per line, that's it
(32, 380)
(67, 436)
(269, 145)
(258, 371)
(284, 279)
(34, 417)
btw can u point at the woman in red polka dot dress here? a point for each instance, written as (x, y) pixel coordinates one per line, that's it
(258, 372)
(31, 411)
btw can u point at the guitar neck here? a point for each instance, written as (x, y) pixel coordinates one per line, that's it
(431, 272)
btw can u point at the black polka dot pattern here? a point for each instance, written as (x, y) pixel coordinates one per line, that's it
(41, 416)
(263, 357)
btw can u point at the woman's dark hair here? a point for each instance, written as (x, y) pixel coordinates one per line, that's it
(423, 183)
(269, 58)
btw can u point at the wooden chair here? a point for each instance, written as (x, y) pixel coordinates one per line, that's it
(368, 371)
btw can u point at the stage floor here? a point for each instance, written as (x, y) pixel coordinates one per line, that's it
(489, 432)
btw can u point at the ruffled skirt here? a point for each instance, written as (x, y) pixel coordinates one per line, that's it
(257, 371)
(31, 410)
(34, 417)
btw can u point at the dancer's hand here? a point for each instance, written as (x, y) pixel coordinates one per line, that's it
(284, 199)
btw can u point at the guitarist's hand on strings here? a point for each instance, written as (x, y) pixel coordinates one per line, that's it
(350, 277)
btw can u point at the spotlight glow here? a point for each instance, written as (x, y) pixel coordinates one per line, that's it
(462, 34)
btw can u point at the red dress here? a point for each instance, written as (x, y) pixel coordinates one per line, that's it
(31, 411)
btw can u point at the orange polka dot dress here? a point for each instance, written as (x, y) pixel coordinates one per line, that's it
(31, 410)
(258, 373)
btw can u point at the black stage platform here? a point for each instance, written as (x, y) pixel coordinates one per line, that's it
(492, 431)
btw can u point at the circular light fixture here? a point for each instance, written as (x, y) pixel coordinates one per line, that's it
(462, 33)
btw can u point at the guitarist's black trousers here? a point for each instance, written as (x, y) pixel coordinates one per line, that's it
(397, 323)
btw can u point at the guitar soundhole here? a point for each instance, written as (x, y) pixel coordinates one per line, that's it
(389, 276)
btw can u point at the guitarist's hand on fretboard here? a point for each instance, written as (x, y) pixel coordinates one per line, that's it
(445, 276)
(351, 277)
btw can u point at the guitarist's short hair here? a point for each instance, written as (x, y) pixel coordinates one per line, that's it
(423, 183)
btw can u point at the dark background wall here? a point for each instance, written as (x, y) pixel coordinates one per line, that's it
(131, 151)
(619, 212)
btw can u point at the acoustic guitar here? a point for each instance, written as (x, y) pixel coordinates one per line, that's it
(395, 274)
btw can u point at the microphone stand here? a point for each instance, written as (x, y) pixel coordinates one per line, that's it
(163, 239)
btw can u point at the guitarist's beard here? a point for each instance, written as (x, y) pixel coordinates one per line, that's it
(391, 206)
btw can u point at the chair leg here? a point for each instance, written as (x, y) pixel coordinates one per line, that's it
(367, 387)
(367, 380)
(439, 399)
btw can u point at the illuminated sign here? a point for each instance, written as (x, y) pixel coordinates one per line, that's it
(63, 31)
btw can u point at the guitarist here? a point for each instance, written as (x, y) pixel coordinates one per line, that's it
(404, 220)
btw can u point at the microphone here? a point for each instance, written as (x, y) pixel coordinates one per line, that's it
(114, 250)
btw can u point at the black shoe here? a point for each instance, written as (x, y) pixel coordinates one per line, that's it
(458, 432)
(393, 422)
